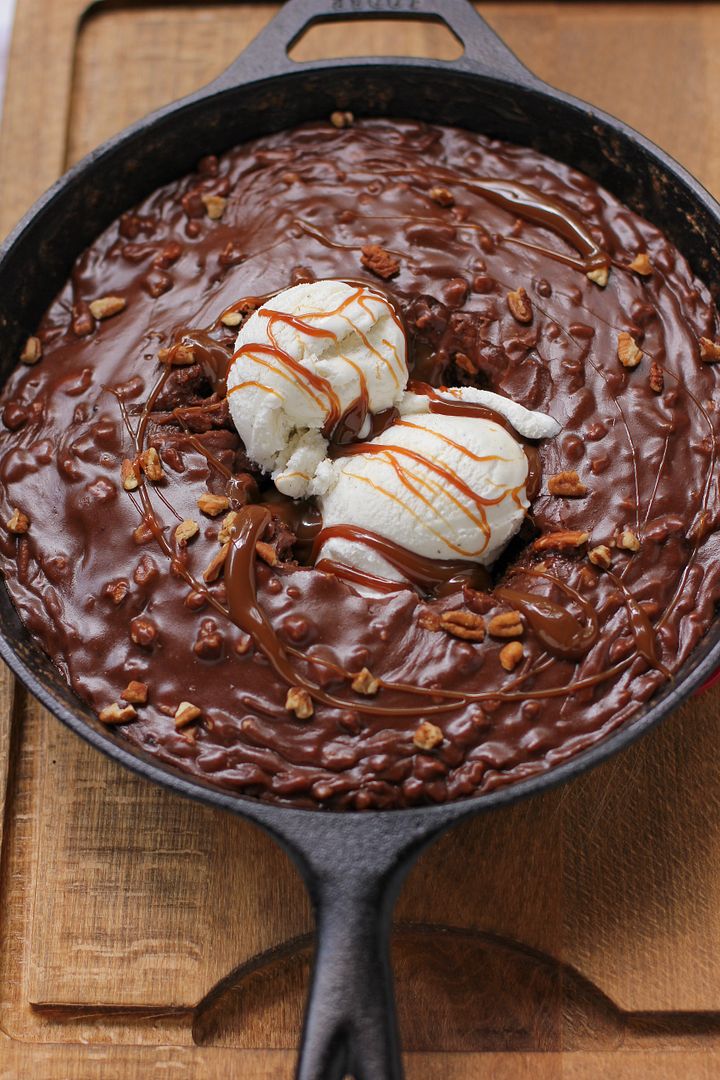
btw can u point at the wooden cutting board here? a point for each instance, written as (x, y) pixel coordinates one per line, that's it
(573, 936)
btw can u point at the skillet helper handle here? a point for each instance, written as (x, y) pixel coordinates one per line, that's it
(350, 1025)
(267, 55)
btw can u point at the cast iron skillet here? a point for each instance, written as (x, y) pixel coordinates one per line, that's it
(353, 864)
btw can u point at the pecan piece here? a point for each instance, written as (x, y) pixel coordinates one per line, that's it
(563, 540)
(135, 692)
(342, 118)
(566, 483)
(641, 265)
(266, 552)
(601, 556)
(442, 196)
(117, 714)
(629, 354)
(151, 465)
(129, 475)
(32, 351)
(180, 355)
(214, 567)
(299, 701)
(709, 350)
(19, 523)
(214, 206)
(365, 683)
(511, 655)
(379, 261)
(185, 531)
(519, 305)
(429, 620)
(427, 736)
(463, 624)
(628, 540)
(508, 624)
(212, 505)
(657, 379)
(227, 529)
(107, 306)
(599, 276)
(185, 714)
(231, 319)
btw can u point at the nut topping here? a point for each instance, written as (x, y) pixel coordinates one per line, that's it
(365, 683)
(628, 540)
(342, 119)
(379, 261)
(212, 505)
(135, 692)
(442, 196)
(601, 556)
(107, 306)
(563, 540)
(641, 265)
(180, 355)
(520, 307)
(599, 276)
(185, 531)
(151, 465)
(231, 319)
(266, 552)
(299, 701)
(227, 529)
(428, 736)
(32, 351)
(566, 483)
(214, 567)
(629, 354)
(511, 655)
(117, 714)
(214, 206)
(709, 350)
(657, 379)
(19, 523)
(129, 475)
(463, 624)
(428, 619)
(185, 714)
(508, 624)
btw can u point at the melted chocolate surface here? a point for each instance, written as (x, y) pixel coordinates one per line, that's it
(460, 221)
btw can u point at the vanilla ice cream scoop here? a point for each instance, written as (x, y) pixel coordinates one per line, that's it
(313, 357)
(438, 485)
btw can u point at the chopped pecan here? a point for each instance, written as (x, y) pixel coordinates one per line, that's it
(519, 304)
(214, 206)
(379, 261)
(466, 364)
(212, 505)
(628, 540)
(463, 624)
(228, 527)
(216, 564)
(32, 351)
(106, 306)
(506, 624)
(641, 265)
(117, 590)
(428, 619)
(266, 552)
(185, 531)
(629, 354)
(709, 350)
(511, 655)
(442, 196)
(231, 319)
(180, 355)
(601, 556)
(342, 118)
(117, 714)
(365, 683)
(129, 475)
(657, 379)
(135, 692)
(599, 276)
(19, 523)
(185, 714)
(562, 540)
(143, 534)
(299, 701)
(151, 465)
(427, 736)
(566, 483)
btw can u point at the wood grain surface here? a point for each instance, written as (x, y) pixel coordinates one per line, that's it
(574, 936)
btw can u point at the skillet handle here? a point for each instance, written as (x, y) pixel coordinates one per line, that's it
(267, 55)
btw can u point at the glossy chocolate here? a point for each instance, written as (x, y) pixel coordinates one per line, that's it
(102, 581)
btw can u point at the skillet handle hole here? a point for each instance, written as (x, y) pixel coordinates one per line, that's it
(427, 38)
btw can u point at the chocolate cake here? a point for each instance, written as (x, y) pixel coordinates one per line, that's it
(175, 586)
